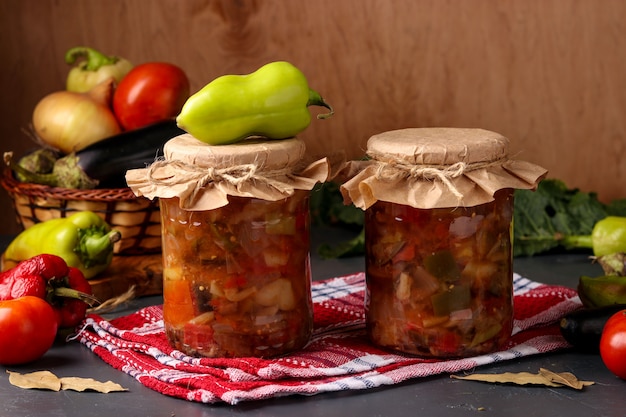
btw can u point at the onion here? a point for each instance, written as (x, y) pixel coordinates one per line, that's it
(69, 121)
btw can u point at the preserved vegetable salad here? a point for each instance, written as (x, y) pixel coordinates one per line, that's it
(236, 279)
(439, 280)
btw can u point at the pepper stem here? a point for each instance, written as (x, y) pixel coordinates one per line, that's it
(577, 241)
(93, 59)
(95, 246)
(315, 99)
(66, 292)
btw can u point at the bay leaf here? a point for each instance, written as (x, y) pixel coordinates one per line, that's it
(564, 378)
(49, 381)
(520, 378)
(544, 377)
(35, 380)
(84, 384)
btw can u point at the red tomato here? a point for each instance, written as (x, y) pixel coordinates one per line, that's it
(28, 326)
(150, 93)
(613, 344)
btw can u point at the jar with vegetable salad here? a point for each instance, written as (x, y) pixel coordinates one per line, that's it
(235, 231)
(438, 224)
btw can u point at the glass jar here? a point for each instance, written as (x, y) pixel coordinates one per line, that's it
(235, 244)
(237, 279)
(438, 227)
(439, 281)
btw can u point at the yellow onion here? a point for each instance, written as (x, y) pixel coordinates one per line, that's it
(70, 121)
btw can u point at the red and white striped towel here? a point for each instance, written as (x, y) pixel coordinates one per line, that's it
(338, 358)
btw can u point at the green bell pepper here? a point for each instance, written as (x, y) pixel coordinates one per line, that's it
(84, 240)
(95, 69)
(602, 291)
(608, 289)
(271, 102)
(608, 236)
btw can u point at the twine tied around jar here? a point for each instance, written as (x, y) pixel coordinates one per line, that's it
(394, 170)
(235, 175)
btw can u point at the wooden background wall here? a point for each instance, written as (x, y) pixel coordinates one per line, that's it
(548, 74)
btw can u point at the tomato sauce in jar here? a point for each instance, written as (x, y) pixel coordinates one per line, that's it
(438, 227)
(235, 242)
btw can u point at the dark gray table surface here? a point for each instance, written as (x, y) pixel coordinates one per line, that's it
(433, 396)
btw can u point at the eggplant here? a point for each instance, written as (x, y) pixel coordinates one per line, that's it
(108, 160)
(583, 328)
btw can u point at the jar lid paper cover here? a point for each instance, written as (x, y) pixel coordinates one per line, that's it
(202, 176)
(436, 168)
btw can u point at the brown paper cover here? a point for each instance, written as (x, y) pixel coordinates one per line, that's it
(437, 168)
(202, 176)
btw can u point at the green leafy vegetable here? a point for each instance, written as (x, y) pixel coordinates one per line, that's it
(616, 207)
(546, 218)
(543, 217)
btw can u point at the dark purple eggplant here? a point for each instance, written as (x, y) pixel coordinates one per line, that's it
(108, 160)
(583, 328)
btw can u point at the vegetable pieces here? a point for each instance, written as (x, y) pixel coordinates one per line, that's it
(237, 282)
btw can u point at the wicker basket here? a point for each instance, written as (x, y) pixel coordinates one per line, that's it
(137, 219)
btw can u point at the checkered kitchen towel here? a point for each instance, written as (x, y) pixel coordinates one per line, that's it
(338, 358)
